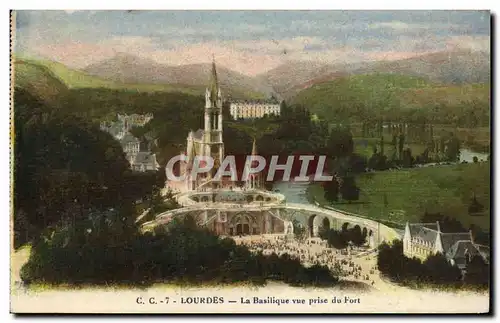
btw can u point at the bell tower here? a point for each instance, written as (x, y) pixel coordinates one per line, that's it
(213, 143)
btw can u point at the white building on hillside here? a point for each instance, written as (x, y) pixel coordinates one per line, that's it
(254, 109)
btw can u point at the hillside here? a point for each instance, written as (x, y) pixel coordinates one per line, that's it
(451, 67)
(176, 113)
(292, 73)
(294, 76)
(447, 95)
(125, 68)
(40, 81)
(448, 67)
(357, 97)
(75, 79)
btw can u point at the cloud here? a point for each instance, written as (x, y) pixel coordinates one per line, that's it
(391, 55)
(277, 46)
(396, 25)
(481, 43)
(249, 42)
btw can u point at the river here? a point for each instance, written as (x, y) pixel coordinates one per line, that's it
(295, 192)
(468, 155)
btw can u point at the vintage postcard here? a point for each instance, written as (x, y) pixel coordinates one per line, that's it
(250, 161)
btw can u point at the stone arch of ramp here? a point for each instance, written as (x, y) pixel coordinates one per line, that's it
(377, 232)
(310, 225)
(317, 222)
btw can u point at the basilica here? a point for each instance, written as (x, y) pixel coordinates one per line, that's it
(220, 205)
(207, 141)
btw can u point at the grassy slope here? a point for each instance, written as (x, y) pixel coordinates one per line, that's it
(435, 189)
(40, 81)
(379, 91)
(75, 79)
(449, 94)
(347, 92)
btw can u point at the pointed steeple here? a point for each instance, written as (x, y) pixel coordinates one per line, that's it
(254, 148)
(254, 181)
(214, 82)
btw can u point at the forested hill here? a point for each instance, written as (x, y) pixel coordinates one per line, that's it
(395, 97)
(39, 80)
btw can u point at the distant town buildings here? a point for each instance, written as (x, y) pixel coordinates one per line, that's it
(125, 122)
(134, 120)
(140, 160)
(421, 240)
(254, 109)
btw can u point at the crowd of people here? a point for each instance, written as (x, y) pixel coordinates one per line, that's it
(348, 263)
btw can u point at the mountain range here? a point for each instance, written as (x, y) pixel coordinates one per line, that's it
(450, 67)
(286, 80)
(126, 68)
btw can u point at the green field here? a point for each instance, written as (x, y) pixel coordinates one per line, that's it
(411, 192)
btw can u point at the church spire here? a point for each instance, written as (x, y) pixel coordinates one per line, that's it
(254, 148)
(214, 82)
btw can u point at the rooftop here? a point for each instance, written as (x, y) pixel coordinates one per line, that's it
(426, 231)
(257, 101)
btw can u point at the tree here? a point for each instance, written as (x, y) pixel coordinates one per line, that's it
(453, 148)
(382, 145)
(477, 272)
(447, 224)
(401, 145)
(335, 239)
(378, 161)
(442, 144)
(349, 190)
(284, 109)
(356, 236)
(440, 271)
(390, 259)
(407, 158)
(340, 143)
(394, 142)
(331, 190)
(474, 206)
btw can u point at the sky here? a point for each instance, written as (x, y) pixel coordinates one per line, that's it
(249, 42)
